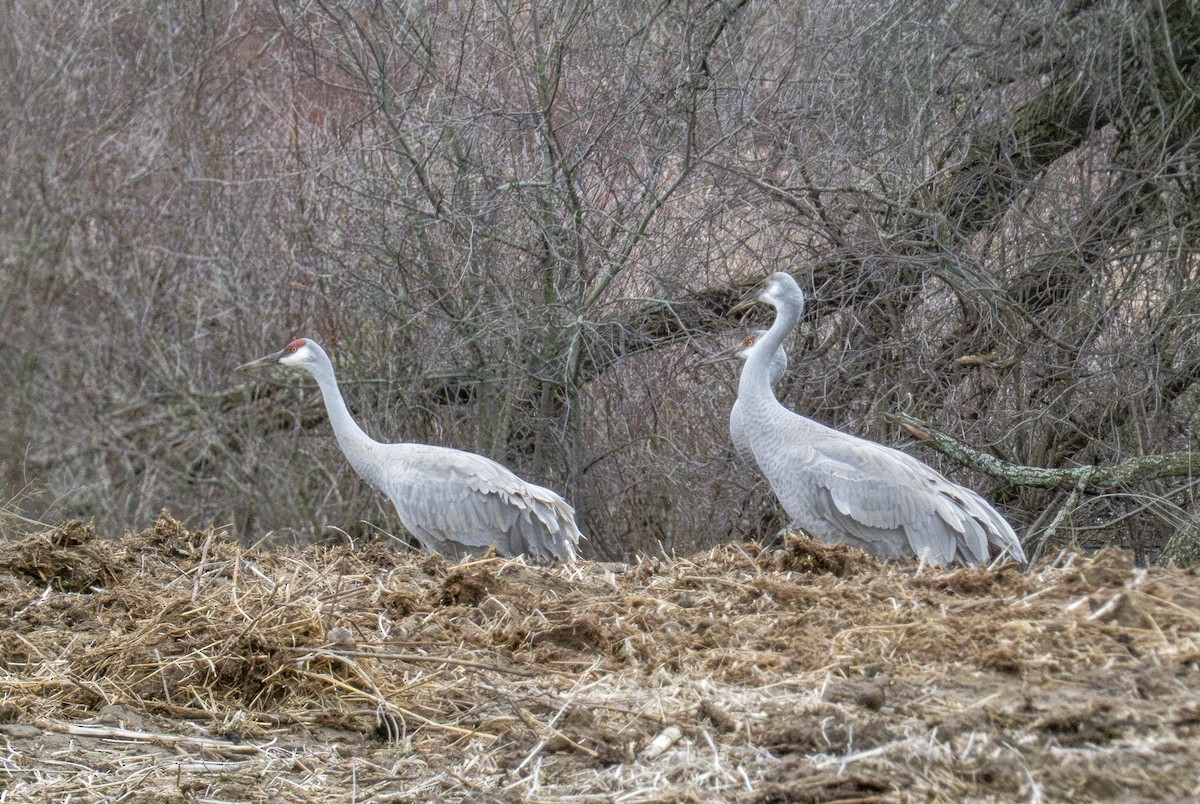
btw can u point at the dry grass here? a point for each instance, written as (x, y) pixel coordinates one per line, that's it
(175, 664)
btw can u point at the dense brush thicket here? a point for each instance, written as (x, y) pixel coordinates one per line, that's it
(518, 228)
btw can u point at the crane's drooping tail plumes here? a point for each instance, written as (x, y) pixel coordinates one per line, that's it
(455, 503)
(843, 489)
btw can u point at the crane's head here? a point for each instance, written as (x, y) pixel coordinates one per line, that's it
(742, 350)
(781, 289)
(300, 353)
(779, 360)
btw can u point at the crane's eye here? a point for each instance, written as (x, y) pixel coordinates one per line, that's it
(292, 348)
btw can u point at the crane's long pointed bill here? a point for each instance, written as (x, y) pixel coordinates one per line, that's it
(262, 361)
(745, 304)
(718, 357)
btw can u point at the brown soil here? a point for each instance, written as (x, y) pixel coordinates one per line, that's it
(175, 665)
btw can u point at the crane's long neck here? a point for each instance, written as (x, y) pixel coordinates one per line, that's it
(754, 386)
(358, 447)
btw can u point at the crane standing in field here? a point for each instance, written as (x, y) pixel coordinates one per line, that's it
(843, 489)
(455, 503)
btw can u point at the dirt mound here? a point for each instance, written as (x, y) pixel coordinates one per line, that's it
(68, 558)
(175, 663)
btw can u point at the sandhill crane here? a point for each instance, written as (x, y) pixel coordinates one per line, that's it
(455, 503)
(843, 489)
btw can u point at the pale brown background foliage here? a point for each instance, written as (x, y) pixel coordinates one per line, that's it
(518, 226)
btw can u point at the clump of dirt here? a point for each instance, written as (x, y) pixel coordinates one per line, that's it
(978, 581)
(581, 633)
(867, 693)
(802, 554)
(798, 673)
(69, 558)
(469, 587)
(400, 602)
(172, 540)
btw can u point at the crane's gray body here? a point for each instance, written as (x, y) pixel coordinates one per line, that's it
(846, 490)
(453, 502)
(458, 504)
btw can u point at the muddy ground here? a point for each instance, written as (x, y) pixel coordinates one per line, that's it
(175, 665)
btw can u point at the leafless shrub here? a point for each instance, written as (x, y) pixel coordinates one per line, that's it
(517, 227)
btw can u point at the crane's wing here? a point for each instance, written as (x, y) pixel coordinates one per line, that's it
(451, 500)
(982, 525)
(881, 496)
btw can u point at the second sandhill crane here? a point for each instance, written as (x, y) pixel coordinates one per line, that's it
(846, 490)
(455, 503)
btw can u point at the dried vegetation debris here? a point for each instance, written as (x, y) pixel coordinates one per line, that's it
(176, 663)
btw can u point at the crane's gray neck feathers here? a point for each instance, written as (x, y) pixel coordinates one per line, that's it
(359, 447)
(755, 382)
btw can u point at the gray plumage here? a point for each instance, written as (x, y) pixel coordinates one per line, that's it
(778, 368)
(842, 489)
(453, 502)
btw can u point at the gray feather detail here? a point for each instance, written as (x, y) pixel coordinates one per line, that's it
(779, 366)
(451, 500)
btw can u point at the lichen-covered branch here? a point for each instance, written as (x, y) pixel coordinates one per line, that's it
(1091, 479)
